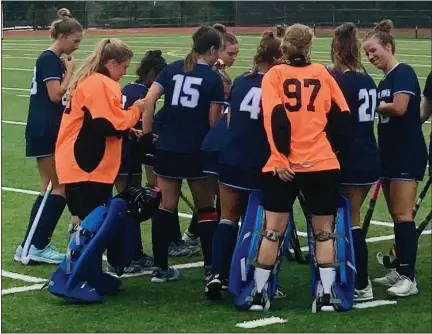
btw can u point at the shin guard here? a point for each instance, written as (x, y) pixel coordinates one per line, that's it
(344, 285)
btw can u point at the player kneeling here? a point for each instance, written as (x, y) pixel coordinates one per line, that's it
(112, 227)
(300, 102)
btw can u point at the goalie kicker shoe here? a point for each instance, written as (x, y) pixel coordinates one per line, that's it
(261, 301)
(325, 302)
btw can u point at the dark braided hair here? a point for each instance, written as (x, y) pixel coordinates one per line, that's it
(153, 62)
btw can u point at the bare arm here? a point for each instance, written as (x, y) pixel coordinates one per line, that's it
(397, 108)
(426, 109)
(154, 93)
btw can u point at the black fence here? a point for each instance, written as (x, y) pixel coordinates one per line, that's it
(411, 18)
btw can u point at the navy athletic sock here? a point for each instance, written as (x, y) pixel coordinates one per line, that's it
(224, 243)
(406, 247)
(33, 213)
(207, 226)
(162, 222)
(139, 254)
(193, 225)
(361, 258)
(51, 214)
(176, 233)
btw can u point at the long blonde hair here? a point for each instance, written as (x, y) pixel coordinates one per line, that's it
(108, 48)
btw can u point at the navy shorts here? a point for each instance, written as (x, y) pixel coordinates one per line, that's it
(38, 147)
(359, 177)
(210, 162)
(233, 177)
(415, 172)
(130, 158)
(176, 165)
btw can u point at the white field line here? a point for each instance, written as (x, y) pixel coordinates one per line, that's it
(261, 322)
(22, 277)
(21, 289)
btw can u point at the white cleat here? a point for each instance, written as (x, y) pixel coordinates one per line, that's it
(403, 288)
(388, 280)
(365, 294)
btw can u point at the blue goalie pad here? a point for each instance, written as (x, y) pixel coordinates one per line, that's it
(83, 262)
(122, 248)
(344, 257)
(241, 281)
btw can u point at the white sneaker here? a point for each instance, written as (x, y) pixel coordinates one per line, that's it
(388, 280)
(191, 239)
(365, 294)
(403, 288)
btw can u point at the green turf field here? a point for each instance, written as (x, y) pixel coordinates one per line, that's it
(180, 306)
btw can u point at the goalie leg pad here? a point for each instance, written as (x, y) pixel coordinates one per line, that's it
(83, 263)
(345, 259)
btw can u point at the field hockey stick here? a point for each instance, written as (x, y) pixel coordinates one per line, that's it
(371, 209)
(422, 196)
(424, 223)
(188, 202)
(25, 258)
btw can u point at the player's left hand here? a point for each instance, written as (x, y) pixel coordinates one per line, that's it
(135, 134)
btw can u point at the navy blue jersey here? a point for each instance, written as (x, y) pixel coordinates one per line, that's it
(131, 93)
(44, 116)
(360, 92)
(247, 147)
(400, 138)
(217, 137)
(427, 93)
(188, 97)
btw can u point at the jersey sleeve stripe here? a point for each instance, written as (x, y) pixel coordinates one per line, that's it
(403, 91)
(218, 102)
(157, 83)
(51, 78)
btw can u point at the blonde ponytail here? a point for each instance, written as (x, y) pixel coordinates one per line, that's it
(108, 48)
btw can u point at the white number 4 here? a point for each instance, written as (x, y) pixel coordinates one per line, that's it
(33, 89)
(251, 102)
(367, 109)
(184, 85)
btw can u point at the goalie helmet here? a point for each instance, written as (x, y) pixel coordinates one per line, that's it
(142, 202)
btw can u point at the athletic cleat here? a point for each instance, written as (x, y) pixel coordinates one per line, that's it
(213, 286)
(161, 276)
(279, 294)
(49, 255)
(388, 280)
(261, 302)
(191, 239)
(404, 287)
(225, 284)
(182, 249)
(18, 252)
(365, 294)
(144, 265)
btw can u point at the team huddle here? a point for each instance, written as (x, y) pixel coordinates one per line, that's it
(248, 147)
